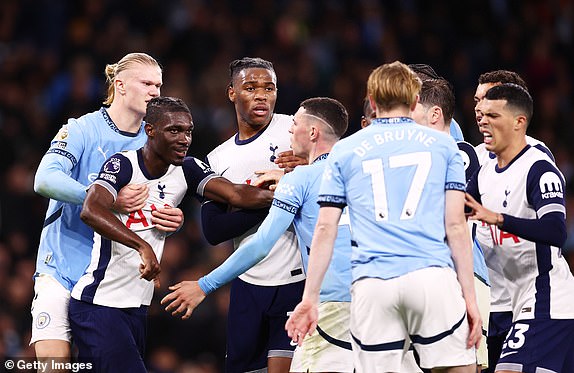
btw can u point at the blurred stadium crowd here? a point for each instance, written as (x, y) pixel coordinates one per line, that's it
(53, 54)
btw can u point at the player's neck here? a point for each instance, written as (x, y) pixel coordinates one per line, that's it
(153, 163)
(247, 131)
(402, 111)
(510, 152)
(125, 120)
(318, 150)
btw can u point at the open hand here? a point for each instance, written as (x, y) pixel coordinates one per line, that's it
(183, 299)
(302, 321)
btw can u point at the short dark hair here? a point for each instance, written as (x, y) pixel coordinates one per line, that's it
(236, 66)
(158, 106)
(424, 71)
(516, 97)
(502, 77)
(329, 110)
(438, 92)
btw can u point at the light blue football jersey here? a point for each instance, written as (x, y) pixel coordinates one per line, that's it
(295, 202)
(456, 131)
(79, 150)
(393, 176)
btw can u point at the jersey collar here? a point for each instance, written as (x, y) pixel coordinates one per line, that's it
(393, 120)
(321, 157)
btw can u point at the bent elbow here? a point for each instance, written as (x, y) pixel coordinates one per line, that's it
(86, 215)
(40, 185)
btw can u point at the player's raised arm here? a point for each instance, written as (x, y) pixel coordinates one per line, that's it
(238, 195)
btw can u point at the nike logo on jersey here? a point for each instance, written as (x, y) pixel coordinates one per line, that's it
(224, 171)
(504, 354)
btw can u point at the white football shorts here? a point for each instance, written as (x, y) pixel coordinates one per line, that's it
(50, 310)
(424, 305)
(329, 348)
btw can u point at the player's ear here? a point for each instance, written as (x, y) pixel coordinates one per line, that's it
(231, 93)
(520, 122)
(149, 129)
(120, 87)
(436, 113)
(313, 132)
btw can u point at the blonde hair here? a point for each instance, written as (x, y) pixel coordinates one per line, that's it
(393, 84)
(113, 70)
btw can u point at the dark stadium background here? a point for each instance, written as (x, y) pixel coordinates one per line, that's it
(52, 58)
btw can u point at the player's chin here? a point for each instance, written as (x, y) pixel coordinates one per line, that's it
(177, 161)
(260, 120)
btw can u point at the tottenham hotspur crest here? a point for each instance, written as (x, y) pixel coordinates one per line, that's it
(161, 191)
(273, 150)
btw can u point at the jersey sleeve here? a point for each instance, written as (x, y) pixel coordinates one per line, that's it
(69, 142)
(545, 188)
(455, 177)
(197, 174)
(545, 193)
(115, 174)
(332, 191)
(250, 253)
(219, 225)
(289, 193)
(53, 178)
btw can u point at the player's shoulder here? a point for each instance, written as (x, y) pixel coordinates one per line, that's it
(302, 172)
(540, 163)
(468, 149)
(87, 121)
(540, 146)
(132, 155)
(192, 162)
(534, 154)
(281, 120)
(280, 123)
(455, 131)
(222, 149)
(121, 159)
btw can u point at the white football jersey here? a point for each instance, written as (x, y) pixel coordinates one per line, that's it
(499, 296)
(112, 278)
(237, 160)
(535, 274)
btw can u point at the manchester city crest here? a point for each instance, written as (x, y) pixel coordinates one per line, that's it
(43, 320)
